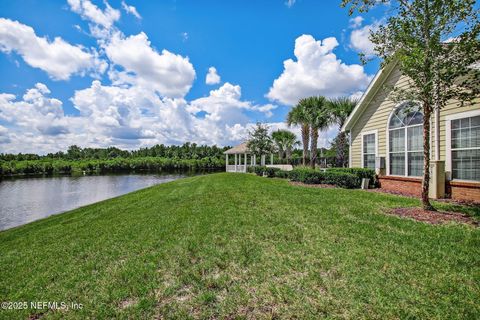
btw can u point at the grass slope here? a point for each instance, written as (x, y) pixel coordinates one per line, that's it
(240, 246)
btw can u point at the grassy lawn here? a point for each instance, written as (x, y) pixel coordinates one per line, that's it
(241, 246)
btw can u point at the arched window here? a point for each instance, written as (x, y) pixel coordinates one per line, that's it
(405, 142)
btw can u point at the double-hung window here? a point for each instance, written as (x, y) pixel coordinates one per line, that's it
(405, 141)
(465, 148)
(369, 147)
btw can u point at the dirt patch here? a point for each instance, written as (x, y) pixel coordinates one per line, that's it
(301, 184)
(127, 303)
(433, 217)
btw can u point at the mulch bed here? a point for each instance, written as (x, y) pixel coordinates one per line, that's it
(301, 184)
(398, 193)
(433, 217)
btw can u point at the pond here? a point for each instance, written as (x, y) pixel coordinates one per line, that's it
(23, 200)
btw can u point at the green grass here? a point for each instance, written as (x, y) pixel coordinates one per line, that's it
(241, 246)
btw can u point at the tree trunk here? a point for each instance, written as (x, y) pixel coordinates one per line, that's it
(341, 149)
(427, 110)
(313, 147)
(305, 138)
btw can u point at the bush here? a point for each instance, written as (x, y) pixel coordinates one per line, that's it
(259, 170)
(270, 172)
(342, 179)
(311, 176)
(282, 174)
(361, 173)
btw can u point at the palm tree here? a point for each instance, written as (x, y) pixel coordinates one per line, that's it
(319, 119)
(340, 109)
(284, 140)
(298, 116)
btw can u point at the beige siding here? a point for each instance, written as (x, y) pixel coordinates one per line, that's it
(378, 110)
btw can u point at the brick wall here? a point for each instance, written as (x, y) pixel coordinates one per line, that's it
(401, 185)
(463, 191)
(460, 191)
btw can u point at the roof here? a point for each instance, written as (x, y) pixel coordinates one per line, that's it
(368, 95)
(241, 148)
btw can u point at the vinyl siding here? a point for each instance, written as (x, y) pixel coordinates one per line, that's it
(376, 114)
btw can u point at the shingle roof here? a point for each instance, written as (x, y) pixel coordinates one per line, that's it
(241, 148)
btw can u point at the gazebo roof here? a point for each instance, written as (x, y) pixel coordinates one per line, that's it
(240, 149)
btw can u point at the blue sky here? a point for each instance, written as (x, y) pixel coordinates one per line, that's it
(109, 82)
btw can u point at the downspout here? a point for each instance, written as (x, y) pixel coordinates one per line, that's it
(437, 133)
(350, 148)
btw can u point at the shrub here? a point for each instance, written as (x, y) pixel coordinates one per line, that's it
(282, 174)
(342, 179)
(270, 172)
(361, 173)
(259, 170)
(311, 176)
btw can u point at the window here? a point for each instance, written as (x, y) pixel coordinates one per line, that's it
(369, 150)
(465, 148)
(405, 141)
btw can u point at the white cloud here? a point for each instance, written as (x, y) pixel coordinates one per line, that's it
(126, 117)
(359, 40)
(290, 3)
(212, 76)
(58, 58)
(170, 74)
(131, 10)
(316, 71)
(89, 11)
(356, 22)
(184, 36)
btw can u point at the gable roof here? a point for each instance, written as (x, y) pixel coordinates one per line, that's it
(368, 95)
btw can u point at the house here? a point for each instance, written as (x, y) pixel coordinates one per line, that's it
(244, 158)
(388, 137)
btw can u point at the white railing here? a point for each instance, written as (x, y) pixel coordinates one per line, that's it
(235, 168)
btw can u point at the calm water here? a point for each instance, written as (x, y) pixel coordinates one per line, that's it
(26, 200)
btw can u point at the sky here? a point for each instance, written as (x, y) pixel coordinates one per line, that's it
(136, 73)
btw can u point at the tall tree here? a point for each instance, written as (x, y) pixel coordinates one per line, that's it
(259, 141)
(298, 116)
(340, 110)
(285, 141)
(435, 43)
(319, 119)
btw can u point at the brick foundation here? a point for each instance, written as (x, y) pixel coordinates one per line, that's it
(456, 190)
(401, 185)
(463, 191)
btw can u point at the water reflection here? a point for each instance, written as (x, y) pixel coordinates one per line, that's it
(26, 200)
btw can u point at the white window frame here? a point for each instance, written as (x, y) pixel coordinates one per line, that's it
(366, 133)
(387, 130)
(448, 141)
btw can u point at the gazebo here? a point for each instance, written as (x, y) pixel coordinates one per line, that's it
(241, 165)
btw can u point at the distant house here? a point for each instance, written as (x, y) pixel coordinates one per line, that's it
(387, 136)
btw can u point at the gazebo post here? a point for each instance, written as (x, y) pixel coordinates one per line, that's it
(245, 167)
(271, 158)
(254, 160)
(226, 162)
(235, 162)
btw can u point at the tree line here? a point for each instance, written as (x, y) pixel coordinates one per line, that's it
(74, 152)
(77, 160)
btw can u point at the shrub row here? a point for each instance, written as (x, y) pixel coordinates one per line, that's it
(339, 179)
(264, 171)
(48, 167)
(361, 173)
